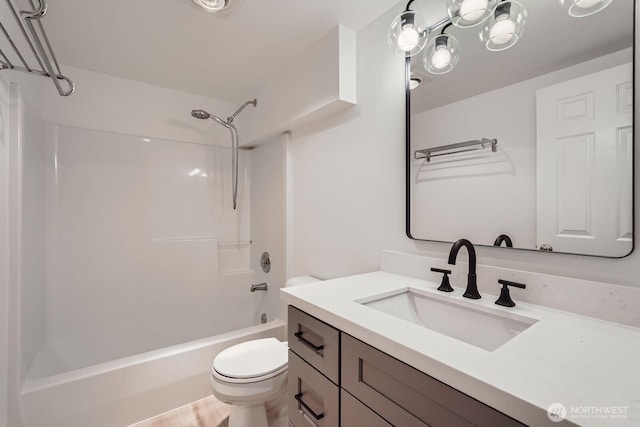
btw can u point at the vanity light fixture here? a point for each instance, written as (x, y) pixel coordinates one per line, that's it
(469, 13)
(442, 53)
(212, 5)
(407, 34)
(582, 8)
(503, 23)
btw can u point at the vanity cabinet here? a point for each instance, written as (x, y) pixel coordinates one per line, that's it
(314, 371)
(336, 380)
(316, 342)
(407, 397)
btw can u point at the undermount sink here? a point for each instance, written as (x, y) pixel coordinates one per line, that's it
(478, 326)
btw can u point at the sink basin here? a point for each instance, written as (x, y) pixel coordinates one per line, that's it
(475, 325)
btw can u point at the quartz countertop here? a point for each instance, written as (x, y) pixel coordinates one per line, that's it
(588, 365)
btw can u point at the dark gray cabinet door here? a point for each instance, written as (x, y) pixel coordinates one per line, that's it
(406, 397)
(354, 414)
(316, 342)
(313, 400)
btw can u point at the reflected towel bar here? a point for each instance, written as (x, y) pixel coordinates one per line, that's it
(460, 147)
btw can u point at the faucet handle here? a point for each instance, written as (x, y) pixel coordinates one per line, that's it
(445, 286)
(505, 298)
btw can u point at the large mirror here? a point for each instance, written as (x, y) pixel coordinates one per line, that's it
(529, 147)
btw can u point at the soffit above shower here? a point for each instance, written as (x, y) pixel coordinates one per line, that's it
(175, 44)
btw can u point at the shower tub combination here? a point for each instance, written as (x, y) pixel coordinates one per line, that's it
(134, 270)
(123, 391)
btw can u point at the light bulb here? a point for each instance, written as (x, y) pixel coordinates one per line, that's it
(502, 31)
(408, 39)
(212, 5)
(472, 10)
(441, 58)
(414, 82)
(583, 4)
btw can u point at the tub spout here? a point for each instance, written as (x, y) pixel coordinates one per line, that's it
(259, 287)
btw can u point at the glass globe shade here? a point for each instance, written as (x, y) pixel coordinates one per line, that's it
(505, 26)
(407, 34)
(469, 13)
(582, 8)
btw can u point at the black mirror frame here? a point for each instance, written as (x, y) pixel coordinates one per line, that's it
(407, 76)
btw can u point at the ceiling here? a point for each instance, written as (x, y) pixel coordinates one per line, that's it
(177, 45)
(552, 40)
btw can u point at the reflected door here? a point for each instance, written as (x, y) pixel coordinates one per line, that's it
(584, 164)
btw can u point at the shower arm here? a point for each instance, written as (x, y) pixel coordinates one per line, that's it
(239, 110)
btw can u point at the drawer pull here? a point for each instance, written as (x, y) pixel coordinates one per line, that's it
(307, 342)
(305, 406)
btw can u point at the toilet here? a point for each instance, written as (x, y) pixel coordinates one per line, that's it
(252, 378)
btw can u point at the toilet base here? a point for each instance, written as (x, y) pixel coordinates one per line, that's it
(248, 415)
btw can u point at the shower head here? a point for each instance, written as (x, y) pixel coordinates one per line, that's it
(202, 115)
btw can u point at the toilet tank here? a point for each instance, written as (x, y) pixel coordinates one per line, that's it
(300, 280)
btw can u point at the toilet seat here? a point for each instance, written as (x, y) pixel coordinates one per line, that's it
(251, 362)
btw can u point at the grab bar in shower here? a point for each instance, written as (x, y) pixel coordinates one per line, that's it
(460, 147)
(30, 25)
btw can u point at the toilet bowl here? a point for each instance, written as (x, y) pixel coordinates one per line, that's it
(252, 378)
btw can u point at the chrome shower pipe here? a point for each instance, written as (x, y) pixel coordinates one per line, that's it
(235, 142)
(234, 162)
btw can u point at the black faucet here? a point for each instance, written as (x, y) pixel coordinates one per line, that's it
(472, 285)
(503, 238)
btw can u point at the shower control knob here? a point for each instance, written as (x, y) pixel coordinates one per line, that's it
(265, 262)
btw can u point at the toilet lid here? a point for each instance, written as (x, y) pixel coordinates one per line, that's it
(251, 359)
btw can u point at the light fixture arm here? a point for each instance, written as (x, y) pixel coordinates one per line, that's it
(409, 5)
(447, 25)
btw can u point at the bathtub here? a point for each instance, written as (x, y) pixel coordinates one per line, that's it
(131, 389)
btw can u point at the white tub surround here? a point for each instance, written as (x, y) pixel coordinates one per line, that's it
(127, 390)
(563, 358)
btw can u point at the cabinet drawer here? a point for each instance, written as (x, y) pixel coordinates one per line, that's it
(315, 341)
(353, 413)
(407, 397)
(312, 398)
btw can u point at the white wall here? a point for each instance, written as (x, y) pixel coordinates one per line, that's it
(501, 186)
(33, 262)
(348, 185)
(347, 173)
(324, 81)
(267, 221)
(4, 248)
(113, 104)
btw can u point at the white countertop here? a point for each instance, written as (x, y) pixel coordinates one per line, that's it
(564, 358)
